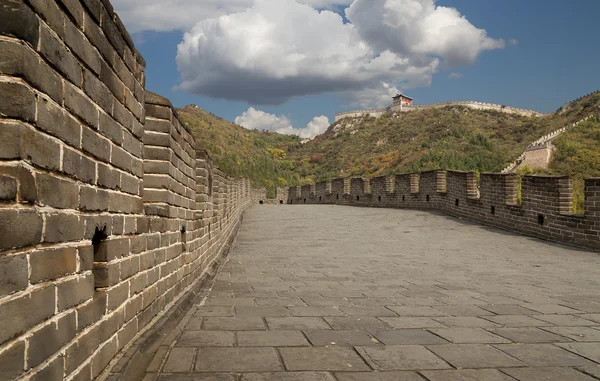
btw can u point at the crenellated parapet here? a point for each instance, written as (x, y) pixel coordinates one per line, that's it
(490, 198)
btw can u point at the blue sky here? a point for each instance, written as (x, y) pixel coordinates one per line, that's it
(554, 60)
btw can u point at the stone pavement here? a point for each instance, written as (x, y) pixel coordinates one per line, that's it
(325, 293)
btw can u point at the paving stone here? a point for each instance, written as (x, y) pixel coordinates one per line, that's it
(329, 337)
(259, 311)
(408, 337)
(303, 311)
(357, 323)
(584, 307)
(566, 320)
(469, 336)
(280, 302)
(206, 339)
(517, 321)
(230, 302)
(233, 324)
(296, 323)
(180, 360)
(462, 310)
(543, 354)
(466, 321)
(577, 333)
(527, 335)
(323, 359)
(271, 339)
(238, 360)
(593, 370)
(587, 350)
(367, 311)
(193, 377)
(401, 357)
(592, 317)
(466, 375)
(375, 301)
(411, 322)
(288, 376)
(551, 309)
(547, 374)
(474, 356)
(507, 309)
(215, 311)
(416, 311)
(336, 302)
(379, 376)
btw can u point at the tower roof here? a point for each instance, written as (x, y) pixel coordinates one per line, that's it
(403, 96)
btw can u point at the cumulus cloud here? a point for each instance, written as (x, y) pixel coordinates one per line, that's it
(279, 49)
(254, 119)
(455, 75)
(161, 15)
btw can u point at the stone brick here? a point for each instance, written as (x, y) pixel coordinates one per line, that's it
(121, 159)
(52, 119)
(95, 145)
(93, 200)
(98, 92)
(47, 340)
(106, 274)
(75, 291)
(94, 33)
(14, 274)
(108, 177)
(19, 228)
(12, 359)
(57, 53)
(10, 135)
(117, 296)
(81, 106)
(18, 101)
(8, 188)
(75, 9)
(92, 311)
(40, 150)
(127, 333)
(86, 257)
(112, 249)
(78, 166)
(63, 228)
(132, 144)
(112, 81)
(22, 313)
(52, 263)
(77, 42)
(56, 192)
(18, 20)
(51, 372)
(111, 129)
(51, 13)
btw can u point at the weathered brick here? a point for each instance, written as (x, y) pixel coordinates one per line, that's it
(47, 340)
(51, 372)
(94, 33)
(111, 129)
(132, 145)
(18, 20)
(51, 13)
(130, 267)
(130, 184)
(79, 166)
(52, 263)
(95, 145)
(75, 291)
(121, 159)
(92, 199)
(101, 358)
(108, 177)
(127, 333)
(112, 249)
(56, 192)
(81, 106)
(10, 135)
(106, 274)
(56, 122)
(124, 203)
(57, 53)
(92, 311)
(117, 295)
(76, 41)
(22, 313)
(19, 228)
(98, 92)
(25, 177)
(63, 227)
(80, 350)
(12, 359)
(18, 101)
(39, 149)
(8, 188)
(112, 33)
(112, 81)
(94, 8)
(13, 274)
(86, 257)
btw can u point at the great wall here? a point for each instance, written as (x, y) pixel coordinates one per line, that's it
(376, 113)
(112, 218)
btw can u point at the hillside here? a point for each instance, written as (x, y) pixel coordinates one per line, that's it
(261, 156)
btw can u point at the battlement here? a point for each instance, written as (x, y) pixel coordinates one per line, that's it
(545, 211)
(111, 215)
(471, 104)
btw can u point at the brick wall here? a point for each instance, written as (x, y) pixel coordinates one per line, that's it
(109, 211)
(545, 211)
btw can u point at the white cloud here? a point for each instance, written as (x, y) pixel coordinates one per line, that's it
(279, 49)
(513, 41)
(254, 119)
(161, 15)
(455, 75)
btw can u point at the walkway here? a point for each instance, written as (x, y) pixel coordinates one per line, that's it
(327, 293)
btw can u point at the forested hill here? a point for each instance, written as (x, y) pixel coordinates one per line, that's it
(452, 137)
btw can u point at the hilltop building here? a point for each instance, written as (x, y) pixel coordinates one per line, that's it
(401, 100)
